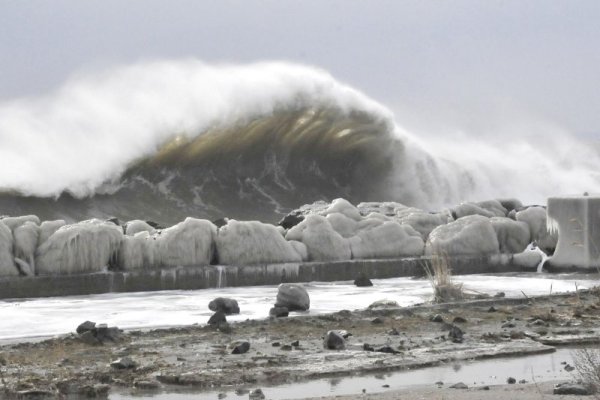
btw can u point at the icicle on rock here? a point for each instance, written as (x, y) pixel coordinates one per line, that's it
(7, 265)
(87, 246)
(253, 242)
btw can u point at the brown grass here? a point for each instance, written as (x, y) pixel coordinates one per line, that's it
(439, 273)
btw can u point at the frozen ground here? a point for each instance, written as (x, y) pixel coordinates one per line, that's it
(27, 318)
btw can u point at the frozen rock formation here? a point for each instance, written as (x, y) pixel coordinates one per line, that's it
(321, 240)
(292, 296)
(7, 265)
(87, 246)
(577, 221)
(466, 209)
(47, 228)
(13, 222)
(388, 240)
(344, 207)
(424, 222)
(471, 235)
(513, 236)
(253, 242)
(137, 226)
(26, 238)
(535, 217)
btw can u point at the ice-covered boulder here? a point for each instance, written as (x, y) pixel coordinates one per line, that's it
(344, 207)
(513, 236)
(13, 222)
(388, 240)
(136, 226)
(470, 235)
(253, 242)
(511, 204)
(387, 208)
(292, 296)
(140, 251)
(47, 228)
(87, 246)
(191, 242)
(535, 217)
(576, 220)
(466, 209)
(493, 206)
(424, 222)
(26, 237)
(321, 240)
(7, 265)
(342, 224)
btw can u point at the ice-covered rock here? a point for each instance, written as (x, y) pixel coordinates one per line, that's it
(511, 204)
(253, 242)
(424, 222)
(535, 217)
(47, 228)
(388, 208)
(7, 265)
(87, 246)
(470, 235)
(513, 236)
(342, 224)
(13, 222)
(321, 240)
(140, 251)
(293, 296)
(388, 240)
(576, 220)
(26, 238)
(466, 209)
(493, 206)
(136, 226)
(300, 248)
(344, 207)
(190, 242)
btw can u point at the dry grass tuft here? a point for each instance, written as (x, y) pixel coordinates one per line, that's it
(439, 274)
(587, 365)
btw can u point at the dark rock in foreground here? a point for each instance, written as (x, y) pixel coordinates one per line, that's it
(227, 305)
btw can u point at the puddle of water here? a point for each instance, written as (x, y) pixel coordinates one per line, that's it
(537, 368)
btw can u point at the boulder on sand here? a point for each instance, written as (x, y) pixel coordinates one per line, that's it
(227, 305)
(293, 296)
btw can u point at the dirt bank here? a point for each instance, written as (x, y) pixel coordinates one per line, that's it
(287, 350)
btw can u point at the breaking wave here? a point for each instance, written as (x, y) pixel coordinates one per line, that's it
(166, 140)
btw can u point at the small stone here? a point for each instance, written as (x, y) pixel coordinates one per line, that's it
(123, 363)
(286, 347)
(241, 348)
(256, 394)
(275, 344)
(334, 341)
(511, 381)
(368, 347)
(572, 389)
(85, 327)
(221, 396)
(439, 383)
(362, 281)
(377, 321)
(459, 320)
(456, 334)
(279, 312)
(459, 385)
(89, 338)
(523, 381)
(486, 387)
(295, 343)
(492, 309)
(393, 332)
(508, 325)
(569, 368)
(217, 318)
(383, 304)
(227, 305)
(146, 385)
(437, 318)
(293, 296)
(385, 386)
(387, 349)
(500, 295)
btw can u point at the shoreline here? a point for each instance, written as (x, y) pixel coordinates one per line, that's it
(288, 350)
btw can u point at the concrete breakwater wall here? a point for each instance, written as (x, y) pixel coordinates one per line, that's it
(203, 277)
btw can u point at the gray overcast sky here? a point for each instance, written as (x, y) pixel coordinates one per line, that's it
(437, 64)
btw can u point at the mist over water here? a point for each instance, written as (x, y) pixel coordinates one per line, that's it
(253, 141)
